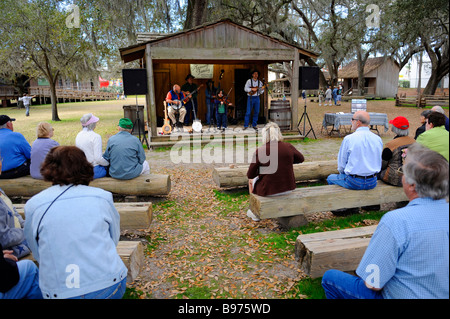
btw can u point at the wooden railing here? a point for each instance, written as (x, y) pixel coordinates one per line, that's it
(8, 91)
(72, 95)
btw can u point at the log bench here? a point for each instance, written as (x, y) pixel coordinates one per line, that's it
(339, 249)
(226, 177)
(144, 185)
(132, 215)
(131, 253)
(323, 198)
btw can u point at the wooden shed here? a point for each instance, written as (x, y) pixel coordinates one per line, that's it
(226, 48)
(380, 76)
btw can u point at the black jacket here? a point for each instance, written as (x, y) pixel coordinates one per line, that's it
(9, 273)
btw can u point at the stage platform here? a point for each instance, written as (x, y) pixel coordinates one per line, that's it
(234, 133)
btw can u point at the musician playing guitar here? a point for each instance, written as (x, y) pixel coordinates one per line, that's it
(191, 102)
(254, 88)
(174, 98)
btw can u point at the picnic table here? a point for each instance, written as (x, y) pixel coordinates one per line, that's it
(336, 120)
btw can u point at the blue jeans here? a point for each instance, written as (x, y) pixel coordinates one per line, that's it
(221, 120)
(252, 103)
(28, 285)
(99, 171)
(189, 106)
(209, 111)
(27, 110)
(349, 182)
(114, 292)
(340, 285)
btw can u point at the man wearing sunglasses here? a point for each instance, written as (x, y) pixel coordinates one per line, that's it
(359, 158)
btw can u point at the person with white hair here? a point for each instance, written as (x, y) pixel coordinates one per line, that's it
(271, 171)
(91, 144)
(439, 109)
(408, 254)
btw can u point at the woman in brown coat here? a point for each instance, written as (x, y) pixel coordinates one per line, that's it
(271, 171)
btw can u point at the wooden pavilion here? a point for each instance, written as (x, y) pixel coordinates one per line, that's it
(227, 49)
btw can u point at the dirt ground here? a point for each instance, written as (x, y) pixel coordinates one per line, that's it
(201, 251)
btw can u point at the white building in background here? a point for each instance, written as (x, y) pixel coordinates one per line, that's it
(410, 72)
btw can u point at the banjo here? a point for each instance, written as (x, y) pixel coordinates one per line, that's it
(177, 104)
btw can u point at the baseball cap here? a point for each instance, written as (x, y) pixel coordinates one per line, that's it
(5, 119)
(400, 122)
(126, 123)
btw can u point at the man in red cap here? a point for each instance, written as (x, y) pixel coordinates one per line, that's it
(394, 152)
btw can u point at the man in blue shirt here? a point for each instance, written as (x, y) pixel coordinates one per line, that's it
(359, 158)
(14, 149)
(125, 153)
(408, 255)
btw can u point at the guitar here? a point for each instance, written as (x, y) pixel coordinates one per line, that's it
(256, 89)
(166, 129)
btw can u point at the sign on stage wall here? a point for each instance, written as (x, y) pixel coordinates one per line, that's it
(202, 71)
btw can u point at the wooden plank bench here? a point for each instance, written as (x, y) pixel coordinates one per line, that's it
(137, 215)
(144, 185)
(131, 253)
(340, 249)
(226, 177)
(323, 198)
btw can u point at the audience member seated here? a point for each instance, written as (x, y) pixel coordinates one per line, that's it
(359, 158)
(73, 230)
(407, 257)
(40, 148)
(18, 279)
(439, 109)
(436, 136)
(14, 149)
(394, 151)
(12, 236)
(423, 120)
(91, 144)
(271, 171)
(125, 153)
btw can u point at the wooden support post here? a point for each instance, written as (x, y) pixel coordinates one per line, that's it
(294, 89)
(151, 101)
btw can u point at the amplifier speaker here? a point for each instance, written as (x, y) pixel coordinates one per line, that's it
(134, 81)
(308, 78)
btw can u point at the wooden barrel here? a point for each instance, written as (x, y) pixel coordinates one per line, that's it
(280, 113)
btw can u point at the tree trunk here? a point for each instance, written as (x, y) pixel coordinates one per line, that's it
(433, 82)
(54, 100)
(196, 13)
(439, 65)
(361, 64)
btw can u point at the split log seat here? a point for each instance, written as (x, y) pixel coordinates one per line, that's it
(131, 253)
(322, 199)
(225, 177)
(340, 249)
(132, 215)
(144, 185)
